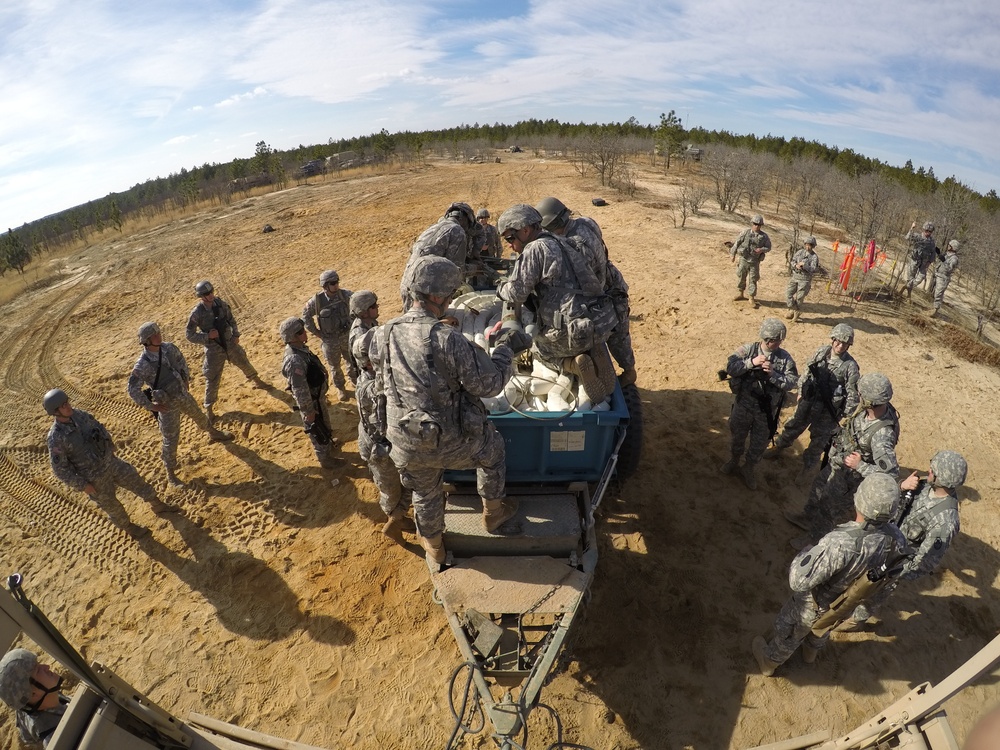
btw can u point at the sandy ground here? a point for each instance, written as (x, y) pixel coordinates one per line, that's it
(272, 601)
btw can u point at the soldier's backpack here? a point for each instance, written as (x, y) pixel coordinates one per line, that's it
(587, 313)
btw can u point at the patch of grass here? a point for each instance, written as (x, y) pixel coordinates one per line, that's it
(966, 346)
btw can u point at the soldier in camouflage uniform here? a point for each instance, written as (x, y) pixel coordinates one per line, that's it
(749, 250)
(921, 254)
(212, 325)
(865, 445)
(82, 456)
(819, 574)
(928, 518)
(828, 390)
(943, 270)
(760, 374)
(372, 443)
(490, 247)
(585, 234)
(804, 264)
(327, 316)
(309, 382)
(31, 689)
(433, 380)
(457, 236)
(162, 368)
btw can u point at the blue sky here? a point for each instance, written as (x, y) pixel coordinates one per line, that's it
(98, 95)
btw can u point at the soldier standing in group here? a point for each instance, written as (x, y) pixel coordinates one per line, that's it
(749, 249)
(433, 381)
(331, 308)
(373, 446)
(804, 264)
(760, 374)
(82, 455)
(921, 255)
(162, 369)
(212, 325)
(865, 445)
(490, 247)
(586, 235)
(827, 391)
(943, 271)
(308, 381)
(928, 518)
(455, 236)
(820, 574)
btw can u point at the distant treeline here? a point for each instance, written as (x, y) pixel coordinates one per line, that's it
(217, 183)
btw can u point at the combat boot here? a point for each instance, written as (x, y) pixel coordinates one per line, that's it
(592, 384)
(790, 315)
(498, 512)
(433, 549)
(795, 315)
(210, 413)
(173, 479)
(729, 467)
(767, 666)
(627, 377)
(754, 303)
(749, 472)
(739, 296)
(809, 654)
(217, 435)
(934, 313)
(397, 524)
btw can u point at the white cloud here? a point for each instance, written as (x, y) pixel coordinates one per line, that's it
(237, 98)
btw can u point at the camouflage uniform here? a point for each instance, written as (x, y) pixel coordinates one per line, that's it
(620, 340)
(585, 234)
(830, 498)
(754, 390)
(334, 327)
(840, 378)
(433, 380)
(801, 278)
(309, 381)
(821, 573)
(942, 276)
(372, 443)
(170, 392)
(218, 350)
(81, 452)
(491, 246)
(748, 264)
(921, 255)
(446, 239)
(41, 725)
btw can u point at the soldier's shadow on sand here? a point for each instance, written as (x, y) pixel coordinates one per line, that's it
(249, 597)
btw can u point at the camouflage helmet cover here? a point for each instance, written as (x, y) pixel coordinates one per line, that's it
(949, 469)
(361, 301)
(518, 216)
(15, 677)
(877, 498)
(462, 209)
(772, 328)
(954, 245)
(290, 328)
(810, 240)
(329, 277)
(147, 331)
(52, 400)
(928, 226)
(482, 214)
(203, 287)
(435, 275)
(875, 389)
(758, 220)
(842, 332)
(553, 211)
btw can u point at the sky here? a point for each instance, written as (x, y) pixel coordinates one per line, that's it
(99, 95)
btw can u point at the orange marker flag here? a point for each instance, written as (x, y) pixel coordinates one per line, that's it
(845, 268)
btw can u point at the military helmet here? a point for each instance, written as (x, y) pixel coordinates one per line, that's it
(875, 389)
(772, 328)
(843, 332)
(949, 469)
(758, 220)
(482, 214)
(810, 240)
(433, 274)
(203, 287)
(15, 677)
(147, 331)
(518, 216)
(329, 277)
(52, 400)
(554, 212)
(462, 209)
(954, 245)
(361, 301)
(290, 328)
(877, 498)
(928, 226)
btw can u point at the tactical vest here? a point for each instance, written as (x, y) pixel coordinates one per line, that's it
(863, 438)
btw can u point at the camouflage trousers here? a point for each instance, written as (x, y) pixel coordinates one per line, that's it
(214, 362)
(796, 291)
(385, 475)
(424, 475)
(748, 420)
(119, 473)
(811, 413)
(915, 274)
(179, 403)
(747, 275)
(792, 626)
(323, 452)
(938, 285)
(620, 340)
(337, 348)
(831, 499)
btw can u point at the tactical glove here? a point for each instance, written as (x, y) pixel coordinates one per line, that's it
(517, 341)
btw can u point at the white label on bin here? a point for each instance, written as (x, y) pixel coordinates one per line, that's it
(569, 440)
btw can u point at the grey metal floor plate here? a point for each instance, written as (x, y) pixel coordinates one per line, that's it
(511, 585)
(544, 525)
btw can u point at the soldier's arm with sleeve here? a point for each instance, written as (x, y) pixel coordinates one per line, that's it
(192, 332)
(811, 263)
(851, 385)
(784, 373)
(527, 273)
(178, 363)
(309, 316)
(816, 565)
(764, 245)
(740, 362)
(61, 465)
(742, 240)
(227, 316)
(294, 369)
(141, 375)
(883, 454)
(479, 373)
(940, 530)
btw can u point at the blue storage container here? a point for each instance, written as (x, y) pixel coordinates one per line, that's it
(571, 449)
